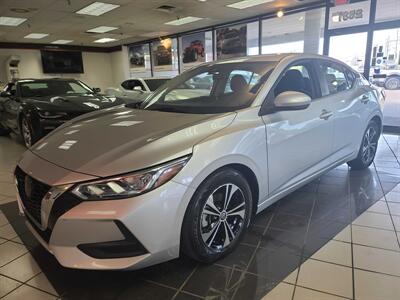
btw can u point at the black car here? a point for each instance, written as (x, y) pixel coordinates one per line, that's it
(33, 107)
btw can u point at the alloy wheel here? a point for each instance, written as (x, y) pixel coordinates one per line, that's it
(223, 217)
(26, 133)
(370, 143)
(392, 84)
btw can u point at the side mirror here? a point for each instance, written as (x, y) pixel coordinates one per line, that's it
(138, 88)
(292, 100)
(96, 90)
(5, 94)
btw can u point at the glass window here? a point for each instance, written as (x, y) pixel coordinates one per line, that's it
(354, 55)
(296, 33)
(297, 78)
(51, 87)
(131, 84)
(346, 13)
(387, 10)
(154, 84)
(203, 90)
(13, 89)
(335, 78)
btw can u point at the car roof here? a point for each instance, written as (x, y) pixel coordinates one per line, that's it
(45, 79)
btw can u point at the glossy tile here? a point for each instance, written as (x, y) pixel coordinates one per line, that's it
(335, 252)
(307, 294)
(10, 251)
(375, 237)
(27, 292)
(371, 285)
(22, 269)
(374, 220)
(282, 291)
(7, 285)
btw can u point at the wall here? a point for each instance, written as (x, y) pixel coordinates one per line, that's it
(98, 67)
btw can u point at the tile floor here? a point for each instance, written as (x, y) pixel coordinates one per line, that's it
(335, 238)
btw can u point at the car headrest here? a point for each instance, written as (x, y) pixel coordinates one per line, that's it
(238, 83)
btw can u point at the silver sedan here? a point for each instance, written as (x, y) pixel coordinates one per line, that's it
(126, 188)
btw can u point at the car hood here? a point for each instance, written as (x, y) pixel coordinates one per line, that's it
(67, 103)
(120, 140)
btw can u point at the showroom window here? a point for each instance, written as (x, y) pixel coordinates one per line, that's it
(165, 57)
(296, 33)
(195, 48)
(387, 10)
(346, 13)
(139, 61)
(237, 40)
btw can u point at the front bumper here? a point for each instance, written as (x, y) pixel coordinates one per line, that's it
(153, 219)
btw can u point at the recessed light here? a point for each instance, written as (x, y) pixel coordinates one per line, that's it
(280, 13)
(97, 9)
(183, 21)
(10, 21)
(36, 36)
(102, 29)
(248, 3)
(62, 42)
(104, 40)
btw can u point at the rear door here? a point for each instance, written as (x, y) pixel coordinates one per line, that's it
(299, 142)
(340, 88)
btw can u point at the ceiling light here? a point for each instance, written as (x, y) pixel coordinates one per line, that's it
(183, 21)
(62, 42)
(104, 40)
(97, 9)
(280, 13)
(9, 21)
(248, 3)
(36, 36)
(102, 29)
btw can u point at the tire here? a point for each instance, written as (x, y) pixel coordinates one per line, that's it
(206, 223)
(28, 134)
(392, 83)
(368, 147)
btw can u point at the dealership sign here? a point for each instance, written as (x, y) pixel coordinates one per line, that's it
(349, 15)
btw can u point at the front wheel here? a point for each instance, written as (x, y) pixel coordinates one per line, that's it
(29, 135)
(367, 151)
(217, 216)
(392, 83)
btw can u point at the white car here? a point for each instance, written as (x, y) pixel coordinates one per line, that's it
(135, 87)
(125, 188)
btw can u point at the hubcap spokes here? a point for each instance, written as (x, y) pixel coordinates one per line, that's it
(369, 145)
(26, 133)
(222, 217)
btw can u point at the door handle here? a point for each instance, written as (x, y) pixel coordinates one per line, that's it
(325, 115)
(364, 99)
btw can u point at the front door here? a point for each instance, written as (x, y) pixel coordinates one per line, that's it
(299, 142)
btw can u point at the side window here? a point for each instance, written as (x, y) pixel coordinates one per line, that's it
(131, 84)
(297, 79)
(251, 79)
(351, 77)
(335, 78)
(13, 89)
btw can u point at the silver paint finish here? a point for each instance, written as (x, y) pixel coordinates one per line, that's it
(284, 150)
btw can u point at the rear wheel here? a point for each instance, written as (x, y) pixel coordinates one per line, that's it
(367, 151)
(217, 216)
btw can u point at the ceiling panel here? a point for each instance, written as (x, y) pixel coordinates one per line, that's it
(133, 18)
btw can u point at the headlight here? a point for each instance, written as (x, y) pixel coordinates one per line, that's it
(51, 115)
(130, 185)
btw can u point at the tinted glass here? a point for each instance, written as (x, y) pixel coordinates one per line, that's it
(51, 88)
(297, 79)
(335, 77)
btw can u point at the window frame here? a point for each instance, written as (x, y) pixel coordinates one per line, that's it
(267, 107)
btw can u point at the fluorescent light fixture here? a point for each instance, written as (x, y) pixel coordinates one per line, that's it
(62, 42)
(36, 36)
(102, 29)
(248, 3)
(183, 21)
(9, 21)
(104, 40)
(97, 9)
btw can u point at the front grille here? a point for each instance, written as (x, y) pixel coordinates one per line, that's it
(38, 190)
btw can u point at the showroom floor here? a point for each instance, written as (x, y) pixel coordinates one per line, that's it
(333, 239)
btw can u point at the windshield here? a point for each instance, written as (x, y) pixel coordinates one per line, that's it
(154, 84)
(215, 88)
(52, 87)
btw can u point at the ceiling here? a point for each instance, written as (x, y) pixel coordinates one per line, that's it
(136, 20)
